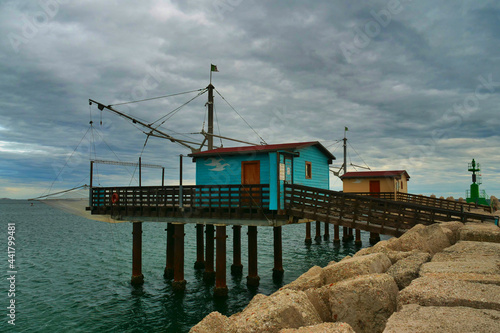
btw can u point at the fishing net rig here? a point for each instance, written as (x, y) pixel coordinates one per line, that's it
(75, 199)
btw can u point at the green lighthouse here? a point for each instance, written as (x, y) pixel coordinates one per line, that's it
(474, 195)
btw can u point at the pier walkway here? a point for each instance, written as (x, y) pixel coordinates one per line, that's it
(249, 205)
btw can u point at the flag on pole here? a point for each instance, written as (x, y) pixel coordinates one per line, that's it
(346, 129)
(213, 68)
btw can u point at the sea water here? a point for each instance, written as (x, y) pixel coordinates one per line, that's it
(73, 274)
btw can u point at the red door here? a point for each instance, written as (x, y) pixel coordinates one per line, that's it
(375, 187)
(250, 174)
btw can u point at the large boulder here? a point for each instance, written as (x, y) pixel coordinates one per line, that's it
(482, 270)
(353, 267)
(453, 227)
(411, 240)
(469, 251)
(431, 319)
(406, 270)
(468, 261)
(480, 232)
(322, 328)
(283, 309)
(319, 299)
(310, 279)
(428, 291)
(430, 239)
(365, 302)
(213, 323)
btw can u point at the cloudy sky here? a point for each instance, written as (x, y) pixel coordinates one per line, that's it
(416, 82)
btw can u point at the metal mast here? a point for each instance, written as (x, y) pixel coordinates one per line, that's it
(345, 153)
(210, 102)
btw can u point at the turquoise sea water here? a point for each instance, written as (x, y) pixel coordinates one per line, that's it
(73, 274)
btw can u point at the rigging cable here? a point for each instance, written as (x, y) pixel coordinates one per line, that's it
(140, 156)
(174, 111)
(218, 128)
(152, 98)
(262, 140)
(102, 138)
(359, 155)
(67, 160)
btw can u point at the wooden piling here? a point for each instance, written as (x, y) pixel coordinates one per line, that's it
(345, 234)
(336, 234)
(308, 239)
(374, 238)
(169, 267)
(137, 277)
(358, 241)
(179, 284)
(326, 236)
(253, 277)
(200, 258)
(317, 238)
(209, 273)
(237, 267)
(220, 289)
(278, 255)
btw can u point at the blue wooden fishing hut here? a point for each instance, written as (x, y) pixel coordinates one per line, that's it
(302, 163)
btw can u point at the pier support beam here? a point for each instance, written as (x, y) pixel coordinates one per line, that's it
(209, 273)
(200, 259)
(345, 234)
(317, 238)
(308, 239)
(336, 234)
(326, 236)
(137, 277)
(179, 284)
(358, 241)
(374, 238)
(351, 236)
(278, 255)
(253, 277)
(237, 267)
(220, 289)
(169, 267)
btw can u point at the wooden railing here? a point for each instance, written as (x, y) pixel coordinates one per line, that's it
(225, 201)
(424, 200)
(440, 203)
(365, 212)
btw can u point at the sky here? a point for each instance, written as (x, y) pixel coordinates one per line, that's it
(417, 84)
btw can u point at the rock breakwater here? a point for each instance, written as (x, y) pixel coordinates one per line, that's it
(431, 279)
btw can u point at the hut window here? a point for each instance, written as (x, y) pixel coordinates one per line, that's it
(308, 170)
(401, 184)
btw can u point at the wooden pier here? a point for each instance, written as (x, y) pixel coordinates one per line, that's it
(213, 207)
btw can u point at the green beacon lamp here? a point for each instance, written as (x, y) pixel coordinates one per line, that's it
(474, 195)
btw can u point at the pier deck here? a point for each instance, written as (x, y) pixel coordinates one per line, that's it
(249, 205)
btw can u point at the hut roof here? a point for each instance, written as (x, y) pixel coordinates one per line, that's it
(263, 148)
(376, 174)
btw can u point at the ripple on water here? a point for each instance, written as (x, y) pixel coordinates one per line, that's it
(74, 274)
